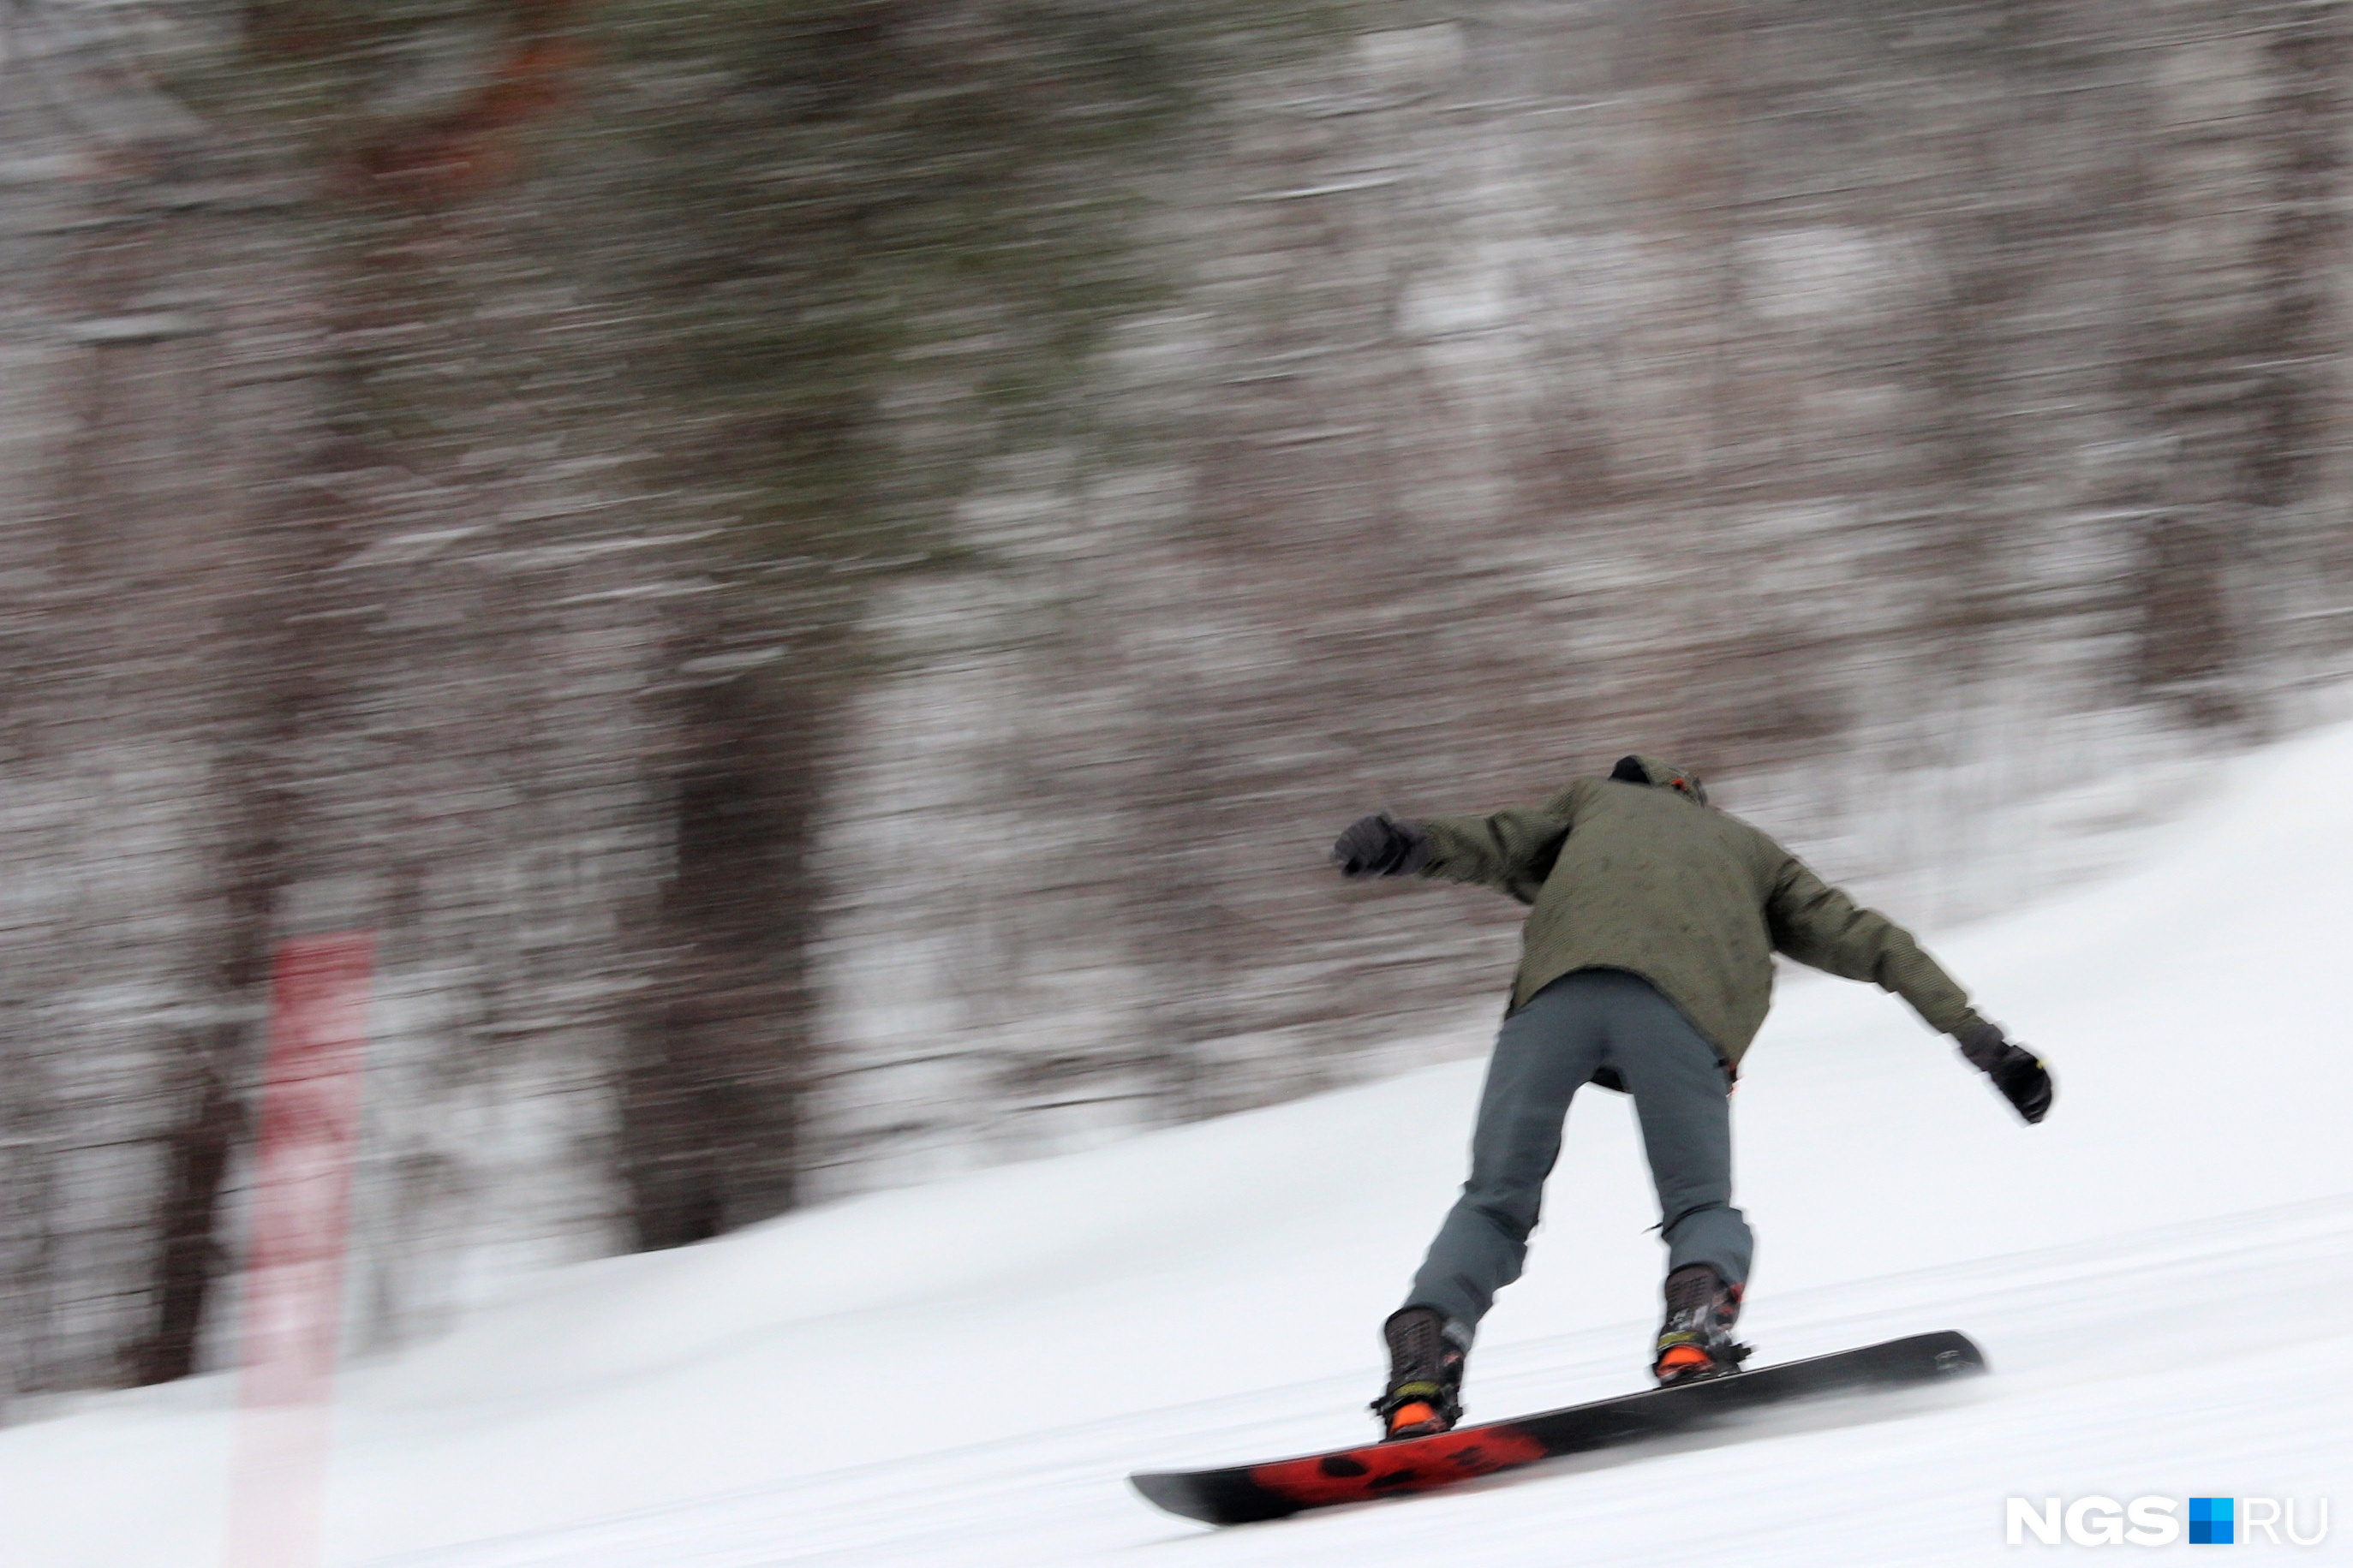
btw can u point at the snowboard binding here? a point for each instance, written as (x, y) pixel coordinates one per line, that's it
(1425, 1389)
(1695, 1340)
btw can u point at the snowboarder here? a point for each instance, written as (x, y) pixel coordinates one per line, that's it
(1646, 968)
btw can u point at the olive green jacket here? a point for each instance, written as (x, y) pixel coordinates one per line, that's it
(1647, 878)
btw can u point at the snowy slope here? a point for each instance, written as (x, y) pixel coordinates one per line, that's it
(962, 1374)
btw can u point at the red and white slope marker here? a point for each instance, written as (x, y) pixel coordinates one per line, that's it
(293, 1284)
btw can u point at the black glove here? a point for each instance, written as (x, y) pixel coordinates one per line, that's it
(1381, 846)
(2023, 1080)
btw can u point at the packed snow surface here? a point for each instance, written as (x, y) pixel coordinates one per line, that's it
(963, 1373)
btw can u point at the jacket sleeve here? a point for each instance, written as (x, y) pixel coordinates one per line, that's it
(1819, 926)
(1511, 851)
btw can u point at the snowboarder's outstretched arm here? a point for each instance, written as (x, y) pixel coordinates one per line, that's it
(1819, 925)
(1511, 851)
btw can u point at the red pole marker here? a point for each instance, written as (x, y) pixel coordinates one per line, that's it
(293, 1285)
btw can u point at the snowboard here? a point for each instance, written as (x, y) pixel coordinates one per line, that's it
(1246, 1493)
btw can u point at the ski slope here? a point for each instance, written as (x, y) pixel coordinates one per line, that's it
(962, 1374)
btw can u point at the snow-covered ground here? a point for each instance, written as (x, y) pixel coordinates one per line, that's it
(962, 1374)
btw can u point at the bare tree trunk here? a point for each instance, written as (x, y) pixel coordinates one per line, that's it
(711, 1101)
(273, 691)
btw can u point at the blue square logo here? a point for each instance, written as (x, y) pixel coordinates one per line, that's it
(2211, 1521)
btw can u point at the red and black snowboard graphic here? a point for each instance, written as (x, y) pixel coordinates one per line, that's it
(1246, 1493)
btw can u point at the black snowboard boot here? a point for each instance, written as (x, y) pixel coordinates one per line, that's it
(1425, 1356)
(1695, 1340)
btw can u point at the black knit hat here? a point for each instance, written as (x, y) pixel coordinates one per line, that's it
(1651, 770)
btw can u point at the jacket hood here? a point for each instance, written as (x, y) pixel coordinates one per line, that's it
(1662, 774)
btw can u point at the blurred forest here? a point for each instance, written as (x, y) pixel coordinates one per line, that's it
(823, 571)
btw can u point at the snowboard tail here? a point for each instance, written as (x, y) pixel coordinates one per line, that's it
(1246, 1493)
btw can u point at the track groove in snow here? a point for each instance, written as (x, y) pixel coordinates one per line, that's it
(2078, 1354)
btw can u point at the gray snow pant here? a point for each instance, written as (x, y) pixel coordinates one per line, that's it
(1583, 1021)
